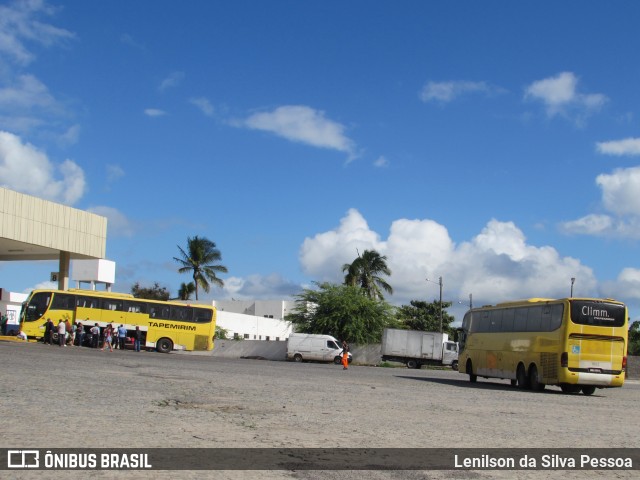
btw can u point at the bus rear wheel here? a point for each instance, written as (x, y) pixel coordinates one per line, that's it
(534, 379)
(588, 390)
(164, 345)
(523, 380)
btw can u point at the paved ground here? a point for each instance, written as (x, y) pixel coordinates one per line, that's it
(77, 397)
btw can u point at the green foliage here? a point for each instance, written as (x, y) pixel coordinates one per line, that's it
(186, 290)
(222, 333)
(201, 260)
(425, 316)
(343, 311)
(634, 338)
(365, 272)
(153, 293)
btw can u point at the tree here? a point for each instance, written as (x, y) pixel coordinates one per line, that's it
(200, 259)
(634, 338)
(186, 290)
(153, 293)
(423, 316)
(342, 311)
(365, 272)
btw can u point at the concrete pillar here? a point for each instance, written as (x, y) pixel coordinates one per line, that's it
(63, 268)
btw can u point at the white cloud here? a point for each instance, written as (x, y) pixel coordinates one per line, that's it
(154, 112)
(118, 224)
(259, 287)
(496, 265)
(204, 105)
(26, 169)
(628, 146)
(114, 172)
(381, 162)
(594, 224)
(449, 91)
(560, 96)
(620, 190)
(302, 124)
(173, 80)
(20, 24)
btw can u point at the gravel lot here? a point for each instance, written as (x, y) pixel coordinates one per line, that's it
(75, 397)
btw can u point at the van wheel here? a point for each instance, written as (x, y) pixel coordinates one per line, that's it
(164, 345)
(297, 358)
(588, 390)
(337, 360)
(454, 365)
(412, 364)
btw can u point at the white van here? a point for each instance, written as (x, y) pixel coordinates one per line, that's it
(320, 348)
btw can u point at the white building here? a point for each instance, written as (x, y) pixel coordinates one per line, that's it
(255, 319)
(10, 305)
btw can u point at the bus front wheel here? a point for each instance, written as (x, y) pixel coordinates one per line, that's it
(164, 345)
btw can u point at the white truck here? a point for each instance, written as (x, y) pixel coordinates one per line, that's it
(320, 348)
(415, 349)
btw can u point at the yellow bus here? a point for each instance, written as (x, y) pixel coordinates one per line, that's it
(577, 344)
(166, 326)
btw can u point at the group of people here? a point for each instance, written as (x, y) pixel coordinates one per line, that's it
(78, 335)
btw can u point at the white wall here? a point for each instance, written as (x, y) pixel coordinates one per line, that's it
(10, 305)
(253, 327)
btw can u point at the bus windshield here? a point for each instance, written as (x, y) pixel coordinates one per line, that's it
(37, 306)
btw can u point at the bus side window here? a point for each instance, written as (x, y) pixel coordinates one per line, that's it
(485, 321)
(520, 320)
(112, 304)
(557, 312)
(508, 316)
(496, 321)
(545, 323)
(534, 319)
(63, 301)
(201, 315)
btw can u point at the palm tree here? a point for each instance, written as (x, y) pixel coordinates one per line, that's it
(186, 290)
(201, 259)
(365, 272)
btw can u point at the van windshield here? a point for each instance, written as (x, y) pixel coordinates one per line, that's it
(332, 344)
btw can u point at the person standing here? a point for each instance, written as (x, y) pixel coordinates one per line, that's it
(95, 336)
(137, 339)
(79, 334)
(62, 334)
(48, 332)
(345, 355)
(69, 332)
(108, 332)
(122, 335)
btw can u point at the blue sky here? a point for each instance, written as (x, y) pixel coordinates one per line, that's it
(495, 144)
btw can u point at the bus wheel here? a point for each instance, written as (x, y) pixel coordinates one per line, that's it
(164, 345)
(523, 380)
(412, 364)
(568, 388)
(536, 385)
(297, 358)
(588, 390)
(472, 377)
